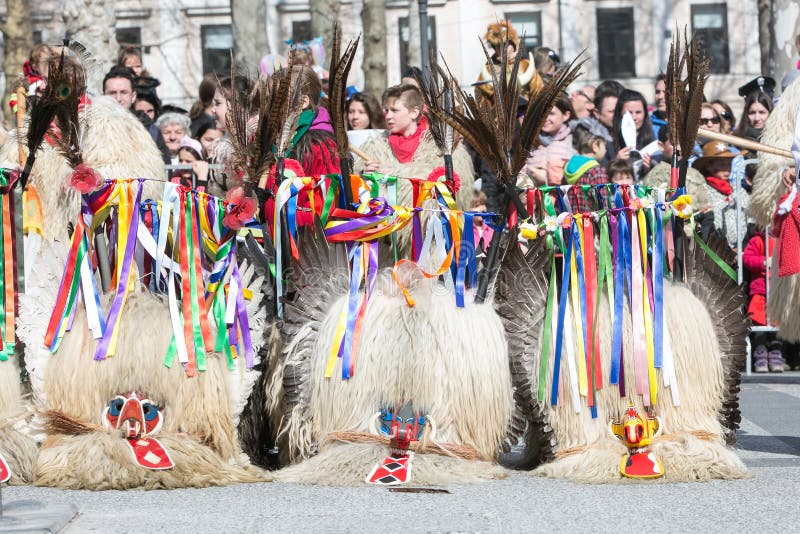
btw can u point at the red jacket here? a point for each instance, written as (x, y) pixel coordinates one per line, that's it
(754, 259)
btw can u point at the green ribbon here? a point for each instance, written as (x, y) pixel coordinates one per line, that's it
(727, 269)
(330, 197)
(548, 321)
(199, 348)
(3, 355)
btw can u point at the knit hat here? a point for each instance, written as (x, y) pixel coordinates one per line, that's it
(713, 151)
(595, 127)
(193, 145)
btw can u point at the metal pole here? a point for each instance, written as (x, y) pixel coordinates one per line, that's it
(560, 34)
(423, 35)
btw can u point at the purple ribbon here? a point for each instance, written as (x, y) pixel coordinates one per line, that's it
(122, 284)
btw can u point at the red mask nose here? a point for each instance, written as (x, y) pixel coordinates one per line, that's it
(634, 433)
(131, 418)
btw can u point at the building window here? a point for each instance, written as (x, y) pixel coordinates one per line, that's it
(129, 37)
(217, 45)
(301, 31)
(37, 37)
(710, 26)
(531, 25)
(616, 48)
(404, 33)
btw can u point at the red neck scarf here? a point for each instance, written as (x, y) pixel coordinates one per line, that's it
(404, 147)
(721, 185)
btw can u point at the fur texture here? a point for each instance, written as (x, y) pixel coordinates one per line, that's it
(699, 371)
(426, 158)
(462, 381)
(18, 449)
(340, 464)
(102, 461)
(197, 411)
(200, 413)
(778, 132)
(767, 189)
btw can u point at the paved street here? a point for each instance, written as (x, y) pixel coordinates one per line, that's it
(769, 443)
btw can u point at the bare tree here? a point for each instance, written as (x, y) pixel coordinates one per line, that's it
(765, 26)
(413, 51)
(323, 13)
(92, 22)
(249, 32)
(786, 21)
(18, 36)
(373, 19)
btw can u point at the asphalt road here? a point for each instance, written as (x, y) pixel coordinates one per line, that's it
(768, 442)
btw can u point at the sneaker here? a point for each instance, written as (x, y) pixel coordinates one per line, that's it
(760, 363)
(775, 361)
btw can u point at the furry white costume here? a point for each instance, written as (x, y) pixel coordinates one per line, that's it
(425, 357)
(708, 364)
(768, 188)
(71, 390)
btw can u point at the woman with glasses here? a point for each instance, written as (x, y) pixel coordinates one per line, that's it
(727, 118)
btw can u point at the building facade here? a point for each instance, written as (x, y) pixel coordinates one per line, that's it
(626, 40)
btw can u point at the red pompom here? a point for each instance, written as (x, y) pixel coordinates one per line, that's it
(85, 179)
(235, 194)
(291, 169)
(241, 211)
(453, 185)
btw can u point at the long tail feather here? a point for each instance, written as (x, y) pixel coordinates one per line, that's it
(339, 72)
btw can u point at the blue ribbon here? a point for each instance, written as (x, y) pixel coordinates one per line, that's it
(291, 211)
(562, 307)
(466, 260)
(658, 290)
(352, 312)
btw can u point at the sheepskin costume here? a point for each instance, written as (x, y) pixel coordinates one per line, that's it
(71, 390)
(451, 363)
(707, 331)
(199, 427)
(18, 450)
(768, 188)
(426, 158)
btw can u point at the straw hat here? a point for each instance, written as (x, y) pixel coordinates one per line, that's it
(713, 151)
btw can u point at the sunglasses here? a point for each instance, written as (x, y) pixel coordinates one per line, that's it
(710, 120)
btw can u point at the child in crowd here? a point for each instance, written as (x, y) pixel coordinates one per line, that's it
(620, 171)
(767, 352)
(584, 168)
(715, 165)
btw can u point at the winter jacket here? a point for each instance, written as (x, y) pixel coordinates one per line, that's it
(754, 260)
(552, 155)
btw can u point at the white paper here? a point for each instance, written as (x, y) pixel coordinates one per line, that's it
(650, 149)
(628, 130)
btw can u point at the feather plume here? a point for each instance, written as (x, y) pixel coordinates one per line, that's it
(685, 92)
(438, 91)
(337, 85)
(281, 106)
(489, 127)
(59, 102)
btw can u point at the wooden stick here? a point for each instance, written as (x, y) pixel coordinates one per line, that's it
(21, 94)
(360, 153)
(744, 143)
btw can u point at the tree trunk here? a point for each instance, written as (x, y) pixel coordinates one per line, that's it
(373, 18)
(92, 22)
(249, 32)
(786, 16)
(765, 35)
(323, 13)
(413, 52)
(18, 35)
